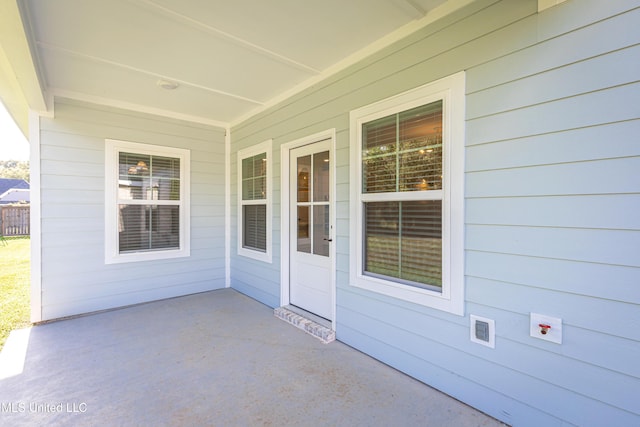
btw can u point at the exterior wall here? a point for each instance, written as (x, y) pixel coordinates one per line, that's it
(552, 195)
(75, 278)
(258, 279)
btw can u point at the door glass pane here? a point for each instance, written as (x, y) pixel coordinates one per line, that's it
(321, 177)
(304, 169)
(304, 238)
(321, 230)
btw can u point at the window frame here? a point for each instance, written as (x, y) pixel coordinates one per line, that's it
(261, 148)
(113, 148)
(451, 90)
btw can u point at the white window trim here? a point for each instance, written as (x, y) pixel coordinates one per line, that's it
(263, 147)
(112, 150)
(451, 90)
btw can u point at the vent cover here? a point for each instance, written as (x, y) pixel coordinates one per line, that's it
(482, 331)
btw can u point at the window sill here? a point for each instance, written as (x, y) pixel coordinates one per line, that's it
(443, 301)
(147, 256)
(257, 255)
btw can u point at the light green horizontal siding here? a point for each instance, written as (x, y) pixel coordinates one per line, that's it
(552, 194)
(75, 278)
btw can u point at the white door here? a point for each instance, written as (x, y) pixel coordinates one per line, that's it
(311, 228)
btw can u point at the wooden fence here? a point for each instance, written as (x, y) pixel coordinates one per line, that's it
(14, 220)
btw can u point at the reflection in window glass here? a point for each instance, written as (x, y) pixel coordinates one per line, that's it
(254, 177)
(254, 230)
(148, 226)
(304, 168)
(321, 230)
(403, 152)
(404, 240)
(321, 177)
(304, 237)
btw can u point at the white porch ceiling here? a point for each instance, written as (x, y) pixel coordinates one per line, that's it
(230, 58)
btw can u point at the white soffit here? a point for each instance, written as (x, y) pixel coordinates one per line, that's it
(229, 59)
(20, 81)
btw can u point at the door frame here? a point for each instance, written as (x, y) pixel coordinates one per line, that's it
(285, 224)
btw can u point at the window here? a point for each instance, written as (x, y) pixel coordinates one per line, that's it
(147, 202)
(407, 195)
(254, 202)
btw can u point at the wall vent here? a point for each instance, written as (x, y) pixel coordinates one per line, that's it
(483, 331)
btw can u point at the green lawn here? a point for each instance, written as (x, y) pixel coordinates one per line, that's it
(15, 277)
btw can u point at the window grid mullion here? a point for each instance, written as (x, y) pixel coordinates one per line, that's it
(149, 202)
(400, 240)
(151, 226)
(397, 153)
(254, 202)
(402, 196)
(311, 188)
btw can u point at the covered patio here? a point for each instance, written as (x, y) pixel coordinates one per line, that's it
(216, 358)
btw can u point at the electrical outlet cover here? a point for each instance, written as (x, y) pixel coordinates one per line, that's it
(554, 333)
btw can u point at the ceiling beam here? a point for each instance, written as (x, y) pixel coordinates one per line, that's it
(96, 59)
(446, 8)
(546, 4)
(411, 7)
(92, 99)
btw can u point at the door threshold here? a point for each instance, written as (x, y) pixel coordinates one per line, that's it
(309, 315)
(308, 322)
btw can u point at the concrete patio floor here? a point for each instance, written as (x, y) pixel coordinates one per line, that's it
(218, 358)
